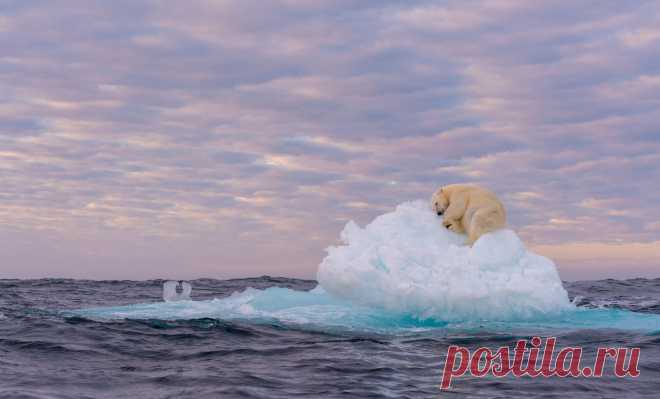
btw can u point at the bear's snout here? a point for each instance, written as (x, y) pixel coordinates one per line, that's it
(440, 213)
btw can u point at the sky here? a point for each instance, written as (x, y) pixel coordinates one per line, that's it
(170, 139)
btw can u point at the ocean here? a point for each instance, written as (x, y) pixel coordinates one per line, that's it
(63, 338)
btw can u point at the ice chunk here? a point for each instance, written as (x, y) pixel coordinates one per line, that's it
(406, 262)
(176, 291)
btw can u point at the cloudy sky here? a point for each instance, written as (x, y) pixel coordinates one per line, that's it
(236, 138)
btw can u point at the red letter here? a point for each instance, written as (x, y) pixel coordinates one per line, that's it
(574, 367)
(546, 371)
(449, 371)
(601, 356)
(518, 357)
(531, 361)
(619, 371)
(504, 366)
(474, 362)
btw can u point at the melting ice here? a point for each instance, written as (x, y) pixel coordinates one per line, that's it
(407, 262)
(404, 270)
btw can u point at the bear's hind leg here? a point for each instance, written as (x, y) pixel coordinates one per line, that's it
(474, 235)
(482, 222)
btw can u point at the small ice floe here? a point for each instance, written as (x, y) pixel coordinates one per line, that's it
(176, 291)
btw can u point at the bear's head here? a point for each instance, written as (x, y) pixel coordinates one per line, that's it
(439, 201)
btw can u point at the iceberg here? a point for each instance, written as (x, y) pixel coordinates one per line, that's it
(406, 262)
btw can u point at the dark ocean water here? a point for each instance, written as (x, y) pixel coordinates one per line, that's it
(46, 352)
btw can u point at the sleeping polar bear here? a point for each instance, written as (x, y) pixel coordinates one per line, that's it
(468, 209)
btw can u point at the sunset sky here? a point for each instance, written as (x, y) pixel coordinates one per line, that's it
(183, 139)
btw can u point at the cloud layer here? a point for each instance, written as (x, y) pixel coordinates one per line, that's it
(225, 139)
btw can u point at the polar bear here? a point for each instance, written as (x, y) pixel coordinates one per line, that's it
(468, 209)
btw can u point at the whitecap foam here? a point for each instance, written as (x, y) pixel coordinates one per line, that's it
(406, 262)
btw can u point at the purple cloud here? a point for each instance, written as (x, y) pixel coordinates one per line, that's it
(143, 138)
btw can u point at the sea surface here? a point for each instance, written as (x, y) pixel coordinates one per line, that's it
(49, 348)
